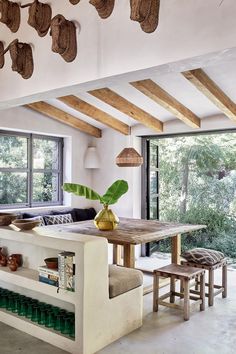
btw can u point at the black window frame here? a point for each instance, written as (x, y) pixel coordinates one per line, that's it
(29, 170)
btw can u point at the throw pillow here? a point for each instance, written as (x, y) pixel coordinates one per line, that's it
(58, 219)
(203, 256)
(40, 218)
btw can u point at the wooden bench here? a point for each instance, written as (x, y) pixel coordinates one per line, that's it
(185, 274)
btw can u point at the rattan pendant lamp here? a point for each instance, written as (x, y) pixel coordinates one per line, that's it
(129, 157)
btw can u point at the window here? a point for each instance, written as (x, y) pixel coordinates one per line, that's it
(30, 170)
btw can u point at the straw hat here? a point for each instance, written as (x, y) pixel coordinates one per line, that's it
(74, 2)
(22, 58)
(2, 61)
(63, 34)
(39, 17)
(103, 7)
(10, 14)
(146, 12)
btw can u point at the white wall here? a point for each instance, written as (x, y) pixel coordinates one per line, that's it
(117, 45)
(26, 120)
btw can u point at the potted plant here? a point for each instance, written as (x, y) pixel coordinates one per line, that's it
(105, 220)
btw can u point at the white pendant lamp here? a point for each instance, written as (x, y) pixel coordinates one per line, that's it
(91, 158)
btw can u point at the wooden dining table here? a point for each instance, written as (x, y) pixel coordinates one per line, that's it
(131, 232)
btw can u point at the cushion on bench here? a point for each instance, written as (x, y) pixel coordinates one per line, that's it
(123, 279)
(203, 256)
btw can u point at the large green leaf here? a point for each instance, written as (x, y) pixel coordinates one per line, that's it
(82, 191)
(114, 192)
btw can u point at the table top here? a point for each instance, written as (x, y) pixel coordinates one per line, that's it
(130, 231)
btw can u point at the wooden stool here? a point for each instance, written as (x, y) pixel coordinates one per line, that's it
(211, 286)
(185, 274)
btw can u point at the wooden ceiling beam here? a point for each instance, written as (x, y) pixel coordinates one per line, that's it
(209, 88)
(164, 99)
(123, 105)
(65, 118)
(95, 113)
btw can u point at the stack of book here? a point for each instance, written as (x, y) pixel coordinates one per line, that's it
(48, 276)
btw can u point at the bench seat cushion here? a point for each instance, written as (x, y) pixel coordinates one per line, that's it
(203, 256)
(123, 279)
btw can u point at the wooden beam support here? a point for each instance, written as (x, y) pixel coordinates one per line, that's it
(209, 88)
(95, 113)
(113, 99)
(65, 118)
(164, 99)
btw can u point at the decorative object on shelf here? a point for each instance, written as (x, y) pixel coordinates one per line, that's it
(74, 2)
(146, 12)
(3, 258)
(26, 224)
(2, 60)
(7, 218)
(18, 257)
(91, 158)
(63, 34)
(10, 14)
(12, 263)
(40, 16)
(22, 58)
(66, 270)
(105, 220)
(103, 7)
(51, 263)
(129, 157)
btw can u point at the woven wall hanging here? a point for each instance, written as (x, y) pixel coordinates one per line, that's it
(22, 58)
(63, 34)
(2, 60)
(146, 12)
(39, 16)
(103, 7)
(74, 2)
(10, 14)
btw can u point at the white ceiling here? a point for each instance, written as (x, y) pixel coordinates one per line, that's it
(221, 71)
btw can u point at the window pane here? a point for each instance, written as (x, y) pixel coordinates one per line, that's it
(45, 187)
(153, 154)
(13, 152)
(45, 154)
(13, 187)
(153, 208)
(153, 183)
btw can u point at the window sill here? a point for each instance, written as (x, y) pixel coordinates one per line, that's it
(55, 207)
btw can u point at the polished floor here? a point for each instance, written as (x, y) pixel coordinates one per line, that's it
(209, 332)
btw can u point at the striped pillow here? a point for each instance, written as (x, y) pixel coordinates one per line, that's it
(203, 256)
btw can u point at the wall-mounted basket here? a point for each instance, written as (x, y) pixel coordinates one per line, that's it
(10, 14)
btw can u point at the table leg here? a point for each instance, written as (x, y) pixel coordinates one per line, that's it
(176, 249)
(117, 254)
(129, 256)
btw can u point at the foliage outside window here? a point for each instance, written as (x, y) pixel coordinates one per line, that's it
(30, 170)
(197, 185)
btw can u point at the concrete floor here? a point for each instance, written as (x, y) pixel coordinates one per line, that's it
(209, 332)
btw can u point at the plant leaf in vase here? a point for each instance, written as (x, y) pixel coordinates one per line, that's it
(82, 191)
(114, 192)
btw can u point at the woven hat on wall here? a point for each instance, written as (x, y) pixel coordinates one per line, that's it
(129, 157)
(2, 61)
(10, 14)
(103, 7)
(39, 16)
(63, 34)
(146, 12)
(74, 2)
(22, 58)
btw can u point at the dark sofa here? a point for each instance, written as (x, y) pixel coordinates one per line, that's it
(76, 214)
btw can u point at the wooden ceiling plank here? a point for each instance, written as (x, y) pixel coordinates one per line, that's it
(164, 99)
(209, 88)
(65, 118)
(95, 113)
(123, 105)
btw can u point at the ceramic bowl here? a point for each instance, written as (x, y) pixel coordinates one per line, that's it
(7, 218)
(51, 263)
(26, 224)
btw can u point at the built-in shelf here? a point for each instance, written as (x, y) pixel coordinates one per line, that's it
(28, 279)
(32, 328)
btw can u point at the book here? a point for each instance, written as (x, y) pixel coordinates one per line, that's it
(44, 269)
(49, 276)
(48, 281)
(66, 269)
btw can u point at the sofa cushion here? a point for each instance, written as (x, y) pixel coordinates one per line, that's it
(84, 214)
(203, 256)
(58, 219)
(33, 215)
(65, 211)
(123, 279)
